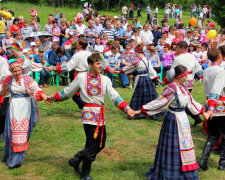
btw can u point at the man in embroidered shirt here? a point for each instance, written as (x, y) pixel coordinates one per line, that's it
(93, 89)
(214, 88)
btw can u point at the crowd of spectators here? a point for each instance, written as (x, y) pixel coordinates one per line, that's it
(113, 36)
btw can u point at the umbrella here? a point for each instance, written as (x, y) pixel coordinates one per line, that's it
(46, 34)
(34, 35)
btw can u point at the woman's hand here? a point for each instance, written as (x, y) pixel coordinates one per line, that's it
(44, 96)
(206, 116)
(137, 112)
(161, 83)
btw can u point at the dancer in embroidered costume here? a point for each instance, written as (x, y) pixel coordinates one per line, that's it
(20, 116)
(93, 88)
(175, 157)
(77, 62)
(27, 65)
(214, 88)
(144, 90)
(4, 101)
(190, 62)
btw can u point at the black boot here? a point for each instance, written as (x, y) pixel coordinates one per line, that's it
(86, 168)
(198, 120)
(205, 156)
(222, 156)
(75, 162)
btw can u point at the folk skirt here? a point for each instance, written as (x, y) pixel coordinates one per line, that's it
(167, 164)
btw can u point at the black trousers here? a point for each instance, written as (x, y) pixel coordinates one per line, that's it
(92, 146)
(216, 128)
(3, 111)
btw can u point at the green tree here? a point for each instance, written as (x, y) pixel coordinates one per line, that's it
(218, 7)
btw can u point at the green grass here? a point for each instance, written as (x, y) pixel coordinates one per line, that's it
(130, 146)
(43, 12)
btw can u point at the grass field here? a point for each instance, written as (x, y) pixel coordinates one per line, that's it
(43, 12)
(130, 146)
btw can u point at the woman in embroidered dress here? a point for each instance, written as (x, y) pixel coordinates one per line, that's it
(20, 118)
(144, 90)
(175, 157)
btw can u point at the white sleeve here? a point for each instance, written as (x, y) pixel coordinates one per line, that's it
(72, 63)
(158, 105)
(72, 88)
(68, 92)
(128, 69)
(194, 107)
(152, 72)
(115, 97)
(35, 67)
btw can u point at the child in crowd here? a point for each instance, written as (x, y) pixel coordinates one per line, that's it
(160, 46)
(19, 40)
(198, 54)
(104, 39)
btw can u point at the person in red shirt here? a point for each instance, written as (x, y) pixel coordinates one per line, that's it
(14, 27)
(21, 21)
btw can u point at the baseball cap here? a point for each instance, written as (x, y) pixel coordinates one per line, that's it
(32, 44)
(149, 42)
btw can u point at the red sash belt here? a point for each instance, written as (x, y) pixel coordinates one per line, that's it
(99, 120)
(189, 72)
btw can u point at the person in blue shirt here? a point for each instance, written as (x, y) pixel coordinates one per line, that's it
(59, 56)
(156, 34)
(120, 32)
(57, 17)
(44, 74)
(112, 59)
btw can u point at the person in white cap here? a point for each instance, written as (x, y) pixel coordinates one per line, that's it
(33, 49)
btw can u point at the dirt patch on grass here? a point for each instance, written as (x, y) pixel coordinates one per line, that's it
(112, 154)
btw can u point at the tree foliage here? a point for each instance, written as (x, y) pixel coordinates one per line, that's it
(102, 4)
(219, 9)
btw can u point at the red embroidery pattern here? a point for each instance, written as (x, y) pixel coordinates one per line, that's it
(93, 85)
(19, 134)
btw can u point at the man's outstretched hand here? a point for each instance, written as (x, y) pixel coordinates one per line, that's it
(49, 100)
(131, 112)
